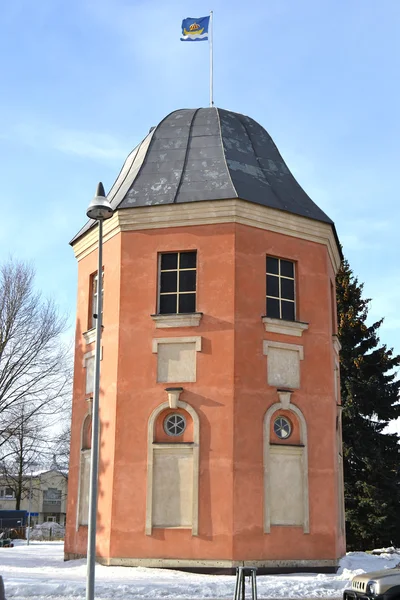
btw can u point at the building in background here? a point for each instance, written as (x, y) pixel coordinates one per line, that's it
(220, 403)
(49, 497)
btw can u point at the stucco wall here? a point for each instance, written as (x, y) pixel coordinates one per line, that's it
(230, 395)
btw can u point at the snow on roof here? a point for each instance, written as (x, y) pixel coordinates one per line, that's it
(44, 471)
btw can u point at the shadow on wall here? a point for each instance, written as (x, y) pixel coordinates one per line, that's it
(81, 432)
(206, 458)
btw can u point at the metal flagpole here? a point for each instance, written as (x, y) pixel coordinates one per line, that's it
(211, 58)
(28, 535)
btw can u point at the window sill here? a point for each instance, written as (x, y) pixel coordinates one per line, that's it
(285, 444)
(294, 328)
(169, 445)
(177, 320)
(90, 335)
(189, 527)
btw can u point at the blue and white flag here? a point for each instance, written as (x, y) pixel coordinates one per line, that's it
(195, 30)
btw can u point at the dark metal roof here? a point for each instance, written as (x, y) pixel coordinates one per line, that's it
(208, 154)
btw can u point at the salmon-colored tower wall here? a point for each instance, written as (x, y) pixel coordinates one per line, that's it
(231, 397)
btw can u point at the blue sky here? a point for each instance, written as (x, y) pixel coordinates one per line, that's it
(83, 81)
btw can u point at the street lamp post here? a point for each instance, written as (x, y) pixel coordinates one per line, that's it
(99, 209)
(28, 535)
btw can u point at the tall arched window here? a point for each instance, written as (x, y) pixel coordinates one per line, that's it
(285, 467)
(173, 468)
(84, 475)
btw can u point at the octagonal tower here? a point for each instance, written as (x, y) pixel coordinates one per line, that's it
(220, 405)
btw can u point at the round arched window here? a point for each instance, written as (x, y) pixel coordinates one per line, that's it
(282, 428)
(174, 424)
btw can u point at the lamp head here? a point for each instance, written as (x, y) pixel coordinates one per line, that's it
(99, 209)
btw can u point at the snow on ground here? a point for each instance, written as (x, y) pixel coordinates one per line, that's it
(39, 572)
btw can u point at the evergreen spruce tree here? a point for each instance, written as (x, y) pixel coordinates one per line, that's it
(370, 399)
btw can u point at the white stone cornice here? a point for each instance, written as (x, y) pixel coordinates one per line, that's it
(294, 328)
(196, 339)
(90, 336)
(283, 346)
(212, 212)
(179, 320)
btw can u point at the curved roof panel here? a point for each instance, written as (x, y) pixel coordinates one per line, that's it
(208, 154)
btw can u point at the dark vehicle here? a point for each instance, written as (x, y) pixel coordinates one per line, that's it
(12, 519)
(5, 541)
(379, 585)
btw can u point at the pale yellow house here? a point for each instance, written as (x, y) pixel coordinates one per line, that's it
(49, 496)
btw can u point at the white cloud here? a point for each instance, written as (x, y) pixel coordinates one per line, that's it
(385, 294)
(90, 145)
(87, 144)
(137, 27)
(351, 241)
(366, 234)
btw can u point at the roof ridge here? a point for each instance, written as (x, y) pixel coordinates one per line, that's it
(257, 157)
(224, 153)
(178, 187)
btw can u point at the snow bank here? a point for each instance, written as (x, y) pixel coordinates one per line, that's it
(49, 525)
(47, 531)
(38, 572)
(390, 550)
(363, 562)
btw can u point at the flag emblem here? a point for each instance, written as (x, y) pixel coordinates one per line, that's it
(195, 30)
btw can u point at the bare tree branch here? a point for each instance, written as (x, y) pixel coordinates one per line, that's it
(35, 378)
(35, 369)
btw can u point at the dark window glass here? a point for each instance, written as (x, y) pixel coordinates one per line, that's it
(272, 265)
(273, 308)
(280, 289)
(187, 303)
(187, 281)
(168, 304)
(168, 281)
(287, 268)
(282, 428)
(272, 286)
(187, 260)
(175, 425)
(287, 288)
(288, 310)
(169, 261)
(177, 274)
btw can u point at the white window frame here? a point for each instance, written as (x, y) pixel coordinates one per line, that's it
(12, 495)
(53, 500)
